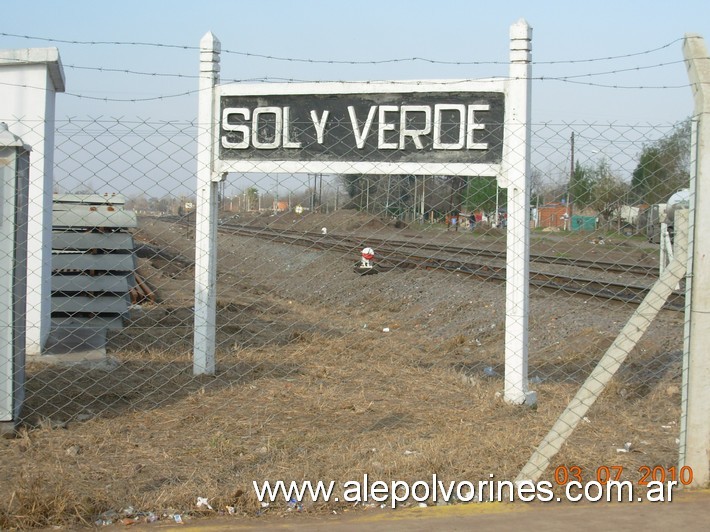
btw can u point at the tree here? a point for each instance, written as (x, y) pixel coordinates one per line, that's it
(608, 191)
(481, 194)
(353, 186)
(457, 197)
(252, 198)
(137, 203)
(536, 187)
(581, 186)
(363, 190)
(663, 166)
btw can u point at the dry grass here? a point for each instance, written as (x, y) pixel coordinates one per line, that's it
(305, 391)
(42, 500)
(314, 409)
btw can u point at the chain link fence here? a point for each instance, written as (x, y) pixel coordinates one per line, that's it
(326, 369)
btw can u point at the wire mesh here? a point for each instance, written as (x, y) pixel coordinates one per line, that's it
(326, 369)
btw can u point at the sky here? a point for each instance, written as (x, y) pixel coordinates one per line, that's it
(617, 62)
(445, 30)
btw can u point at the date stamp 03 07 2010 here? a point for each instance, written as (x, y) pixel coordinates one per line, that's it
(683, 476)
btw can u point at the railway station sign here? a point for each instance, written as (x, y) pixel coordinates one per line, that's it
(475, 127)
(453, 127)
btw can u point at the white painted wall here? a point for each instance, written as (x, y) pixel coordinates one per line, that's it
(29, 81)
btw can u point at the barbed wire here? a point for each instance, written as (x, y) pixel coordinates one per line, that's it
(573, 79)
(625, 87)
(106, 98)
(339, 61)
(196, 76)
(566, 79)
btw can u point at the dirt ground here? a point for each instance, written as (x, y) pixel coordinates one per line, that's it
(323, 374)
(689, 510)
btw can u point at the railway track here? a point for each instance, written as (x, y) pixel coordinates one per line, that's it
(438, 249)
(583, 279)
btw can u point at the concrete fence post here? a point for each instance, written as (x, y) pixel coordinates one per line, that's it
(206, 213)
(14, 194)
(516, 178)
(695, 420)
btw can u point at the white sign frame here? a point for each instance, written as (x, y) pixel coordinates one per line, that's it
(512, 173)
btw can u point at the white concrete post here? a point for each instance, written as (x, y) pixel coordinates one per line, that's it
(695, 443)
(14, 186)
(31, 77)
(206, 213)
(516, 178)
(688, 289)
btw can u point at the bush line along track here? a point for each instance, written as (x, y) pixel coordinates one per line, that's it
(406, 254)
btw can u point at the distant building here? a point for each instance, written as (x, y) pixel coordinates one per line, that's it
(553, 215)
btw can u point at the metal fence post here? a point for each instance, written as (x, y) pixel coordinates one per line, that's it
(695, 422)
(516, 177)
(206, 214)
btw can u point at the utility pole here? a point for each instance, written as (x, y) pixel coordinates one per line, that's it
(422, 197)
(314, 192)
(387, 200)
(311, 191)
(568, 221)
(414, 201)
(320, 190)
